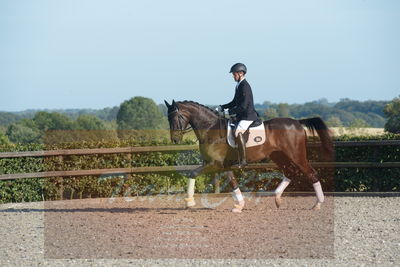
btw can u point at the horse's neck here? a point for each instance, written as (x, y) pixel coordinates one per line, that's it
(203, 120)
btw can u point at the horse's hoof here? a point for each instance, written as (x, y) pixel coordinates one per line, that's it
(317, 206)
(238, 208)
(278, 202)
(190, 202)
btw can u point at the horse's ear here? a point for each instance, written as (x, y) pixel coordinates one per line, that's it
(173, 103)
(167, 104)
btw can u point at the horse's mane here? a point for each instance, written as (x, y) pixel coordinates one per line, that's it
(198, 104)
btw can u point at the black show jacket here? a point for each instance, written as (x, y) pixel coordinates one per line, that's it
(242, 104)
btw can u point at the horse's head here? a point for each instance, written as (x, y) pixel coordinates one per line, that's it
(178, 121)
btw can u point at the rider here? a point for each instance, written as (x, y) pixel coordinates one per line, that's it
(243, 106)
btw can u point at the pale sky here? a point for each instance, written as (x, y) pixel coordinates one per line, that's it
(96, 54)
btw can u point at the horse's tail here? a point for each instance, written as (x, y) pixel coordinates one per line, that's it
(317, 124)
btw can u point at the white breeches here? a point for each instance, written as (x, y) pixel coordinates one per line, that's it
(242, 127)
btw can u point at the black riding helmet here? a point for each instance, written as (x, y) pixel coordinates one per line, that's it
(238, 67)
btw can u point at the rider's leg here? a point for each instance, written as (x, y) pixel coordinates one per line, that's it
(241, 128)
(242, 150)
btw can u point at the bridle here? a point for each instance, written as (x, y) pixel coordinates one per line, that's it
(180, 119)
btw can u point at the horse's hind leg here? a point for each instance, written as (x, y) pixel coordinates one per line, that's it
(279, 191)
(311, 174)
(237, 194)
(283, 163)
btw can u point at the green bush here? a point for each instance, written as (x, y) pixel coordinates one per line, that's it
(392, 111)
(368, 179)
(91, 186)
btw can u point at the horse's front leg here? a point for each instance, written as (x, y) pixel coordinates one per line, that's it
(190, 202)
(237, 194)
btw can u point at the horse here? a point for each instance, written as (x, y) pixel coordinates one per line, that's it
(285, 145)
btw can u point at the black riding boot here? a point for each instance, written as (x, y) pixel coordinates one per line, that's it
(242, 150)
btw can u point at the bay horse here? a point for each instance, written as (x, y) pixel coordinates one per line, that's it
(285, 145)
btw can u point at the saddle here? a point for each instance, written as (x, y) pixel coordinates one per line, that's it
(254, 135)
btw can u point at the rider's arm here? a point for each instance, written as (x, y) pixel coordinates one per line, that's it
(242, 101)
(233, 103)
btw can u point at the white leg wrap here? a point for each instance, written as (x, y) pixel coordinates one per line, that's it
(238, 195)
(318, 192)
(282, 186)
(190, 188)
(190, 192)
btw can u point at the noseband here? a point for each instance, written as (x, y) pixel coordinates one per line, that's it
(180, 119)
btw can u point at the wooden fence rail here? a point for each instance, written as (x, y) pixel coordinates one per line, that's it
(93, 151)
(118, 150)
(166, 169)
(163, 169)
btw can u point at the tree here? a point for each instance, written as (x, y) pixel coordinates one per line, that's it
(54, 127)
(163, 108)
(45, 121)
(334, 121)
(89, 122)
(24, 131)
(4, 139)
(358, 123)
(392, 111)
(283, 110)
(91, 128)
(107, 114)
(139, 113)
(270, 113)
(6, 118)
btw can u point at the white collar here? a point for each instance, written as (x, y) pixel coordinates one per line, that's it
(237, 85)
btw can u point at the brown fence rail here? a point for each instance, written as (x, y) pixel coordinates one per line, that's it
(92, 151)
(164, 169)
(161, 169)
(118, 150)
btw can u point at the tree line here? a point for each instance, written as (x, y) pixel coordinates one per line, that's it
(140, 113)
(346, 113)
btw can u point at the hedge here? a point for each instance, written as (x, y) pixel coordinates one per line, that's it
(368, 179)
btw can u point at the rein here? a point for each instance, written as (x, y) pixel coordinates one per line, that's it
(220, 126)
(182, 118)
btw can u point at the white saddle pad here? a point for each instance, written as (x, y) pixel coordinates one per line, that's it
(256, 136)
